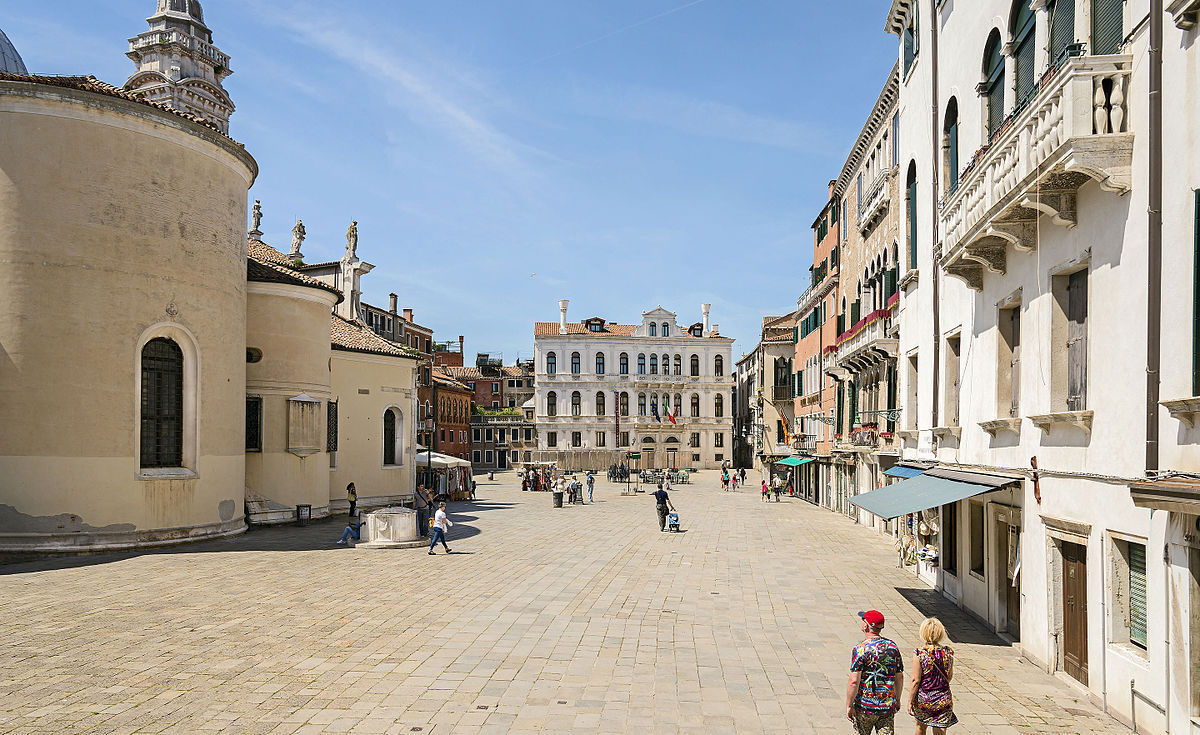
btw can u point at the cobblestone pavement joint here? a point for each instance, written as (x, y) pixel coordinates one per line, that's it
(579, 619)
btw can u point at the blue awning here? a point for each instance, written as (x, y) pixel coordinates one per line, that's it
(928, 490)
(796, 461)
(902, 471)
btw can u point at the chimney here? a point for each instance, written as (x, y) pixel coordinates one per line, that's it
(704, 308)
(460, 344)
(408, 314)
(716, 330)
(392, 303)
(562, 316)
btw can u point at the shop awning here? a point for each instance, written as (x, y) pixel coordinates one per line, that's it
(795, 461)
(929, 489)
(903, 471)
(440, 461)
(1178, 494)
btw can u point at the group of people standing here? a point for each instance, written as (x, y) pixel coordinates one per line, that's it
(730, 478)
(876, 684)
(537, 479)
(776, 486)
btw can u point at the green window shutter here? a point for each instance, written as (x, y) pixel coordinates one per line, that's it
(1137, 595)
(1062, 28)
(1107, 26)
(1023, 46)
(852, 411)
(800, 383)
(952, 139)
(994, 84)
(912, 225)
(840, 399)
(795, 335)
(1196, 299)
(841, 324)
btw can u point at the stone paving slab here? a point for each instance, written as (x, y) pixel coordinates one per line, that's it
(579, 619)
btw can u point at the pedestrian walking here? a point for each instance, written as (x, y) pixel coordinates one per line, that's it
(423, 503)
(733, 481)
(876, 680)
(591, 483)
(765, 491)
(777, 487)
(352, 496)
(441, 524)
(742, 474)
(475, 485)
(662, 502)
(929, 699)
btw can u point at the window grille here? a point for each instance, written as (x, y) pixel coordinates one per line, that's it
(254, 423)
(162, 404)
(331, 423)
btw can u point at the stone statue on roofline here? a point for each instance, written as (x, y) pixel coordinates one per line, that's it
(256, 220)
(297, 238)
(352, 240)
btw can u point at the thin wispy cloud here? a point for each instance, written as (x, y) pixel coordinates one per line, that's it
(617, 31)
(694, 116)
(426, 100)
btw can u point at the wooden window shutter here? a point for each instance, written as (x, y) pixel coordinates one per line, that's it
(1107, 26)
(1077, 293)
(1062, 28)
(1137, 595)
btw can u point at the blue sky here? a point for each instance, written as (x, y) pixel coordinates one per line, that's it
(502, 154)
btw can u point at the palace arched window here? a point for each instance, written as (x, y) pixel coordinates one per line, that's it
(624, 404)
(624, 364)
(654, 364)
(576, 404)
(678, 365)
(1062, 28)
(393, 437)
(950, 146)
(551, 363)
(911, 203)
(599, 363)
(695, 405)
(599, 403)
(551, 404)
(695, 365)
(666, 329)
(162, 404)
(575, 367)
(719, 366)
(993, 83)
(1020, 26)
(652, 329)
(719, 406)
(641, 404)
(641, 364)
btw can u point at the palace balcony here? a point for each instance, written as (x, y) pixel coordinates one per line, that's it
(875, 203)
(782, 393)
(865, 344)
(804, 442)
(1074, 128)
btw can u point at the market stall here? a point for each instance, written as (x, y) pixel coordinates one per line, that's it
(451, 476)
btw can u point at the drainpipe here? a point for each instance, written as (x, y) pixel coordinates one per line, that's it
(1154, 284)
(935, 129)
(1154, 238)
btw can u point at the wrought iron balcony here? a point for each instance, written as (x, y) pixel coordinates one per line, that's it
(805, 442)
(1074, 129)
(782, 393)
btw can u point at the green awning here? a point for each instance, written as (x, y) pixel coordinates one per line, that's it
(796, 461)
(928, 490)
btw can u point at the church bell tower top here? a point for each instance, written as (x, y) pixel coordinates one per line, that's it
(178, 65)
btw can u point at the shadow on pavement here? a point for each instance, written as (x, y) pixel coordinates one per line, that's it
(960, 626)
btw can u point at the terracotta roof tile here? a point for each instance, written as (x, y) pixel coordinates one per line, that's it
(541, 329)
(89, 83)
(357, 337)
(443, 379)
(466, 372)
(266, 264)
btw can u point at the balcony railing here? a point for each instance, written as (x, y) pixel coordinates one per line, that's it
(1074, 129)
(875, 204)
(866, 343)
(804, 442)
(781, 393)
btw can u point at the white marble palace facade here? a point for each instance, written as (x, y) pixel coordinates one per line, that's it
(599, 385)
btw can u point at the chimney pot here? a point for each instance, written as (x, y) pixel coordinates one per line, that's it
(408, 314)
(392, 302)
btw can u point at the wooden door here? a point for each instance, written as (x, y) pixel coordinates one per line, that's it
(1074, 595)
(1077, 292)
(1015, 366)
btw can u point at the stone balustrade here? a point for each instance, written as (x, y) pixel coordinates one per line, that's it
(1074, 129)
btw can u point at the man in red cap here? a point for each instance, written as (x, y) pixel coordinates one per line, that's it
(876, 679)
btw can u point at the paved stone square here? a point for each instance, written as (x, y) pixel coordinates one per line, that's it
(580, 619)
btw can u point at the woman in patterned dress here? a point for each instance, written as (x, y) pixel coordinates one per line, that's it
(929, 700)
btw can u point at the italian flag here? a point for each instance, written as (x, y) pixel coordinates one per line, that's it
(670, 413)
